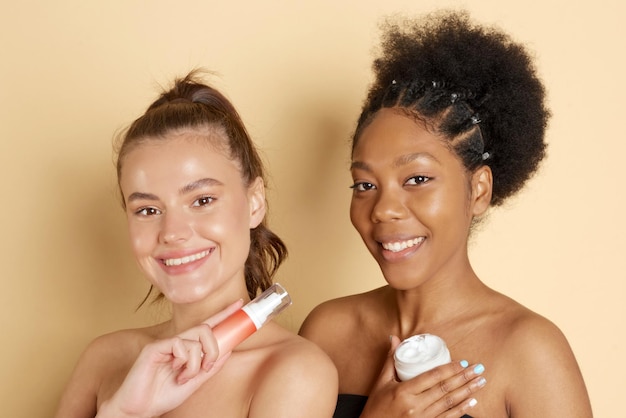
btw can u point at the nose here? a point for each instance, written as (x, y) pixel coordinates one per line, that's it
(388, 207)
(175, 227)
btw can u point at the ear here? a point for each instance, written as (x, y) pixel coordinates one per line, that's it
(482, 186)
(256, 200)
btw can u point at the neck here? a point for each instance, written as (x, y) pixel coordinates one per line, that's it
(188, 315)
(433, 305)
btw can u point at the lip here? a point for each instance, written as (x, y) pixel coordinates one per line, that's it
(399, 248)
(180, 262)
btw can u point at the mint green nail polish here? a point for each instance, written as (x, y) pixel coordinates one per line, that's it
(464, 363)
(479, 369)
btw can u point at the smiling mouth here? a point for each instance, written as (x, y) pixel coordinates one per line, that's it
(186, 259)
(398, 246)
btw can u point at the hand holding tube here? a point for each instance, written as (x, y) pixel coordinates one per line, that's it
(168, 371)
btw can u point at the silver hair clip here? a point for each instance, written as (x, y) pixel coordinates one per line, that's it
(475, 120)
(454, 97)
(486, 155)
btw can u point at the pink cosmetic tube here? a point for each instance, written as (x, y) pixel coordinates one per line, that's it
(246, 321)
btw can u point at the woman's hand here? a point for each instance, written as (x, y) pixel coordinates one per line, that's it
(168, 371)
(444, 392)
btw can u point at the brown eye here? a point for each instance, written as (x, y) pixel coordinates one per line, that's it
(203, 201)
(148, 211)
(362, 186)
(416, 180)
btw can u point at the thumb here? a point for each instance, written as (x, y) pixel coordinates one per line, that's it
(388, 371)
(225, 313)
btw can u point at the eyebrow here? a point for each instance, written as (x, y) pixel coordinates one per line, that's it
(409, 158)
(398, 162)
(183, 190)
(199, 184)
(141, 196)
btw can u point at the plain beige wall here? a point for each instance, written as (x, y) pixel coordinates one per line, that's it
(73, 72)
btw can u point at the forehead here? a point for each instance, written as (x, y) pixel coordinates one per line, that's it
(179, 155)
(393, 133)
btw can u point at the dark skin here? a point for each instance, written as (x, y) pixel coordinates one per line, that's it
(413, 205)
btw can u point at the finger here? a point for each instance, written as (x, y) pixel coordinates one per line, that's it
(461, 409)
(225, 313)
(202, 377)
(203, 334)
(437, 375)
(209, 346)
(217, 365)
(179, 352)
(457, 393)
(388, 371)
(194, 360)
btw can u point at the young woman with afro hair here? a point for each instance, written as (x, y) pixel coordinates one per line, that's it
(453, 124)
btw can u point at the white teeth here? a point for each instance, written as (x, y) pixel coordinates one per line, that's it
(401, 245)
(186, 259)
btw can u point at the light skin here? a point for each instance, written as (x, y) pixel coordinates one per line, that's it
(413, 205)
(189, 217)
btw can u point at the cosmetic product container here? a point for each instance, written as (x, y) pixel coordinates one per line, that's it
(418, 354)
(247, 320)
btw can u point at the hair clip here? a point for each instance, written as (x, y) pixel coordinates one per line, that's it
(454, 97)
(394, 82)
(475, 120)
(486, 155)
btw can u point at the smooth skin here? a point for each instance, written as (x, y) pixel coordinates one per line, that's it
(413, 205)
(189, 218)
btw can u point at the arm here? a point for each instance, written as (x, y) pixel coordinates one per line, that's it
(547, 382)
(80, 395)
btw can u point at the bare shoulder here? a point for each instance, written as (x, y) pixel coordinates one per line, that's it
(531, 336)
(341, 316)
(102, 357)
(108, 351)
(117, 347)
(296, 354)
(545, 379)
(296, 376)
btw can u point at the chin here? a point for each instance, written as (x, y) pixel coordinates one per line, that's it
(183, 296)
(402, 281)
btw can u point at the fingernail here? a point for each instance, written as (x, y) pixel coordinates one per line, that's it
(464, 363)
(472, 402)
(482, 382)
(479, 369)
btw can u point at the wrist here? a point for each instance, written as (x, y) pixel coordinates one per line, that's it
(108, 409)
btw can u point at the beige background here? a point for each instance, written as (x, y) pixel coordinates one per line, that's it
(73, 72)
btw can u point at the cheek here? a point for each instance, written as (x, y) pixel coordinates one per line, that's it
(141, 238)
(357, 210)
(230, 224)
(447, 209)
(437, 206)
